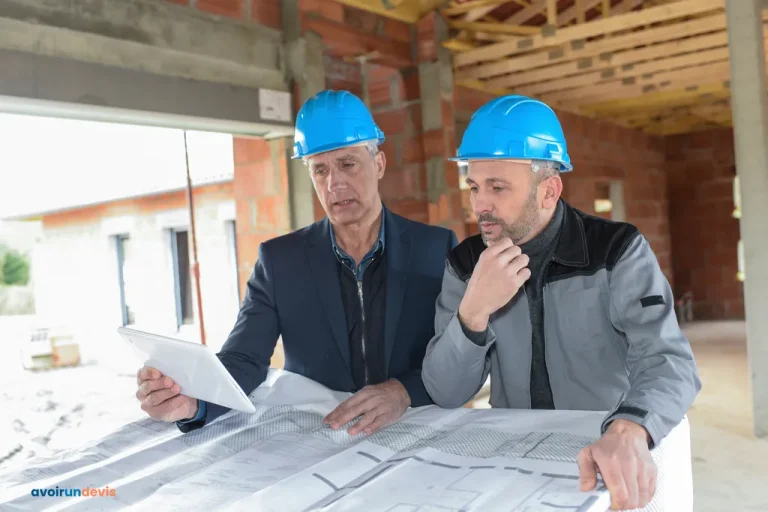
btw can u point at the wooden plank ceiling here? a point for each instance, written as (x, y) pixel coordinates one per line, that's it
(658, 65)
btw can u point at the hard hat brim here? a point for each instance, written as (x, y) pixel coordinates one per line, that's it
(564, 167)
(334, 146)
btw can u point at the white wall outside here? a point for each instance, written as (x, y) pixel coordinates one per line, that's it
(77, 285)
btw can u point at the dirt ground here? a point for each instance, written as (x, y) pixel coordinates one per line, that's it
(47, 411)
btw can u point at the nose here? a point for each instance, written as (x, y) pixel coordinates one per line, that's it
(480, 203)
(336, 180)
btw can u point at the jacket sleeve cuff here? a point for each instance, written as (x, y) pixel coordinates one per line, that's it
(638, 415)
(413, 384)
(479, 338)
(202, 410)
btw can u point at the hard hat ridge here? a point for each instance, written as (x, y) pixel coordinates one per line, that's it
(515, 127)
(331, 120)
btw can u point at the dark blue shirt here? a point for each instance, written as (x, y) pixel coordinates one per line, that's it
(346, 260)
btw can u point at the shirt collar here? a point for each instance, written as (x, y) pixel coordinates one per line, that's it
(378, 245)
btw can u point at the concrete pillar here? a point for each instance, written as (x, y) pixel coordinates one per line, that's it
(436, 91)
(306, 73)
(750, 121)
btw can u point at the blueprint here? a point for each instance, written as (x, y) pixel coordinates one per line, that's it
(283, 458)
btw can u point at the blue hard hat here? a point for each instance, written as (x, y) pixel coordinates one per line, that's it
(332, 120)
(514, 127)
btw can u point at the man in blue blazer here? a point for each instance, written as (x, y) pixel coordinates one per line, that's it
(353, 296)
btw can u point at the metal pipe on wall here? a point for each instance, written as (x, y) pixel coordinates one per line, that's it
(195, 266)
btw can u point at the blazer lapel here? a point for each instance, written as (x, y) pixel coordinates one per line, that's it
(398, 247)
(322, 263)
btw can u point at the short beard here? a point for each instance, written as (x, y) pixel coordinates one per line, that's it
(518, 230)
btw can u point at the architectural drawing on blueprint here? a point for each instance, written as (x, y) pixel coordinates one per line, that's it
(431, 480)
(283, 458)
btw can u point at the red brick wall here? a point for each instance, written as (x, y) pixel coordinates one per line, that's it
(700, 170)
(394, 99)
(601, 152)
(145, 204)
(265, 12)
(261, 198)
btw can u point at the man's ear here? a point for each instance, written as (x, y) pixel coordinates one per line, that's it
(553, 187)
(381, 164)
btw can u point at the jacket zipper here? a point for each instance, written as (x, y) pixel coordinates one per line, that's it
(362, 312)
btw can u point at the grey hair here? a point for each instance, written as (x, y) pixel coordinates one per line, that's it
(544, 169)
(371, 145)
(373, 148)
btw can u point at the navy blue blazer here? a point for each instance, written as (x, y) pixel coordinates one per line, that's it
(295, 292)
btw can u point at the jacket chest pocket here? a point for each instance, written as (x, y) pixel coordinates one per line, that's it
(582, 319)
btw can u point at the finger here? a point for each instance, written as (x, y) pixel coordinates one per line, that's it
(496, 247)
(342, 408)
(382, 421)
(149, 386)
(351, 413)
(147, 373)
(158, 397)
(518, 263)
(630, 473)
(509, 254)
(614, 480)
(587, 469)
(165, 411)
(523, 275)
(648, 486)
(367, 419)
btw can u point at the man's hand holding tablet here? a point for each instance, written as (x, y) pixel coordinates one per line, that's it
(161, 397)
(178, 379)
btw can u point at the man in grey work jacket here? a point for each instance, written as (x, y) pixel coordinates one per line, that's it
(352, 296)
(562, 309)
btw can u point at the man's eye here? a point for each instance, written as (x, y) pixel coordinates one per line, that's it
(473, 190)
(347, 165)
(319, 172)
(498, 189)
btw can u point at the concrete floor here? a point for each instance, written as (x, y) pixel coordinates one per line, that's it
(730, 465)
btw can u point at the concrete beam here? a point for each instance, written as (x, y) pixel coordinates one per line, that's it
(305, 70)
(148, 36)
(750, 125)
(50, 86)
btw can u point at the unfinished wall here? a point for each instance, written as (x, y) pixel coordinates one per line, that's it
(705, 235)
(261, 198)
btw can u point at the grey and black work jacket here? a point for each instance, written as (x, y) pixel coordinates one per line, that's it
(612, 340)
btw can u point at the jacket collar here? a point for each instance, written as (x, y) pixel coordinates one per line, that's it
(377, 246)
(571, 247)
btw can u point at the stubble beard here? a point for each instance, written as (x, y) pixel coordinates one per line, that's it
(517, 230)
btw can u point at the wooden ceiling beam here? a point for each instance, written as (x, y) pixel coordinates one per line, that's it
(572, 13)
(658, 100)
(458, 9)
(721, 100)
(631, 87)
(609, 76)
(479, 13)
(616, 63)
(591, 29)
(409, 12)
(500, 28)
(527, 13)
(603, 48)
(626, 6)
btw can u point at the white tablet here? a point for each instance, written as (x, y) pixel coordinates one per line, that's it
(193, 366)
